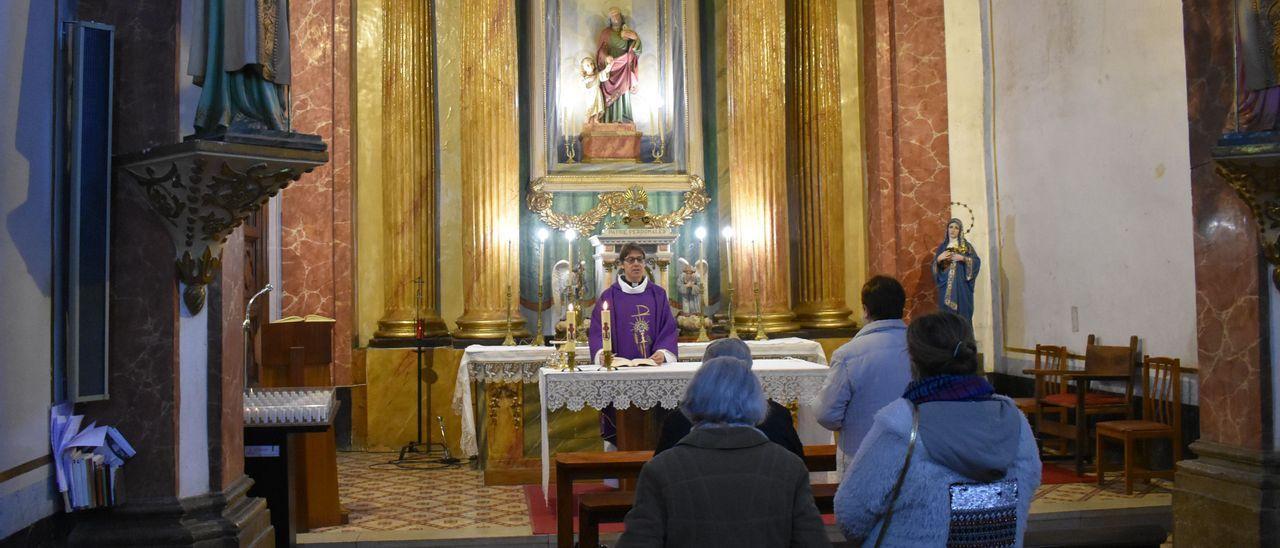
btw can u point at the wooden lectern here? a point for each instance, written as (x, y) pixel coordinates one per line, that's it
(298, 352)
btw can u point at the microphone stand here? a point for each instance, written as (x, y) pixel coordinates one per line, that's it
(248, 343)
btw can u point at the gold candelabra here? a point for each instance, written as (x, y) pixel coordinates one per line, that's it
(569, 152)
(510, 340)
(659, 148)
(728, 256)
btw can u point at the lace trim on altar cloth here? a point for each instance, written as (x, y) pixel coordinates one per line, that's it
(575, 394)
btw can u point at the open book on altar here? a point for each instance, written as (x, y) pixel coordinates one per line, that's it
(307, 318)
(639, 362)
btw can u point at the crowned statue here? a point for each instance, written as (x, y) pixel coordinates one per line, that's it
(955, 267)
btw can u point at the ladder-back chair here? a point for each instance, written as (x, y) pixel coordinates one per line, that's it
(1101, 363)
(1161, 419)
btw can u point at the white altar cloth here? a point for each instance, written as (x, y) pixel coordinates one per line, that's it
(484, 364)
(784, 381)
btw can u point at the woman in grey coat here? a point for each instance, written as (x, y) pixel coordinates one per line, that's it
(724, 484)
(967, 436)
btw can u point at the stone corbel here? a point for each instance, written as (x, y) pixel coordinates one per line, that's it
(203, 189)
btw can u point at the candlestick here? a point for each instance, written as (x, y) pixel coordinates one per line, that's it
(539, 339)
(727, 232)
(510, 340)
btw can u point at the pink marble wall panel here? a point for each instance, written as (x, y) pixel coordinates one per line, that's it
(226, 366)
(143, 355)
(316, 254)
(908, 163)
(1227, 255)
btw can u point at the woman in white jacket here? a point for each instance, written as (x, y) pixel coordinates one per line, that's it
(968, 441)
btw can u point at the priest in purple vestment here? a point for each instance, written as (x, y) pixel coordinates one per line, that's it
(643, 326)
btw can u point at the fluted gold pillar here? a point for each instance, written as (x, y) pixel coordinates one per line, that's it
(408, 196)
(490, 168)
(814, 140)
(758, 164)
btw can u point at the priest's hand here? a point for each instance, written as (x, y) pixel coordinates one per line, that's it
(658, 357)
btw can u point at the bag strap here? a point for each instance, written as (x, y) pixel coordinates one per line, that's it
(902, 475)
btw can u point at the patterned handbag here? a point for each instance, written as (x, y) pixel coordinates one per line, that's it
(984, 514)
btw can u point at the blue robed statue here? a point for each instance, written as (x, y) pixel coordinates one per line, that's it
(955, 267)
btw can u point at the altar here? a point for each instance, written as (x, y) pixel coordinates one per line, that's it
(509, 449)
(790, 381)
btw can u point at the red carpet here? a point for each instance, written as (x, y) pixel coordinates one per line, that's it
(542, 512)
(1053, 474)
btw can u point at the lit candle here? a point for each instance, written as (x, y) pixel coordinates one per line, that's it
(571, 328)
(606, 332)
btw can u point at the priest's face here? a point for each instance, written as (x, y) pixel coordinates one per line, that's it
(633, 267)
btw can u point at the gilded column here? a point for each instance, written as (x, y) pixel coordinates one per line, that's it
(408, 197)
(757, 170)
(814, 139)
(490, 168)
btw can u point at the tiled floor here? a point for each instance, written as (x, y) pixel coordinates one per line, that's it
(453, 503)
(385, 497)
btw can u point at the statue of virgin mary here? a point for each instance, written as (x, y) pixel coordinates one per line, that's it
(955, 267)
(240, 59)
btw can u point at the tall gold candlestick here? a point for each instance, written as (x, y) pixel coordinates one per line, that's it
(510, 340)
(728, 257)
(538, 339)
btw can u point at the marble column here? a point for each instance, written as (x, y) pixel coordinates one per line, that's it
(908, 157)
(814, 167)
(490, 170)
(316, 258)
(409, 195)
(757, 165)
(1225, 496)
(169, 501)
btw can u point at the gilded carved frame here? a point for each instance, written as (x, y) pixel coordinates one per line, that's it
(620, 188)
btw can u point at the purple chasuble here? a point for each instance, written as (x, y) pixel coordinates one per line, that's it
(642, 323)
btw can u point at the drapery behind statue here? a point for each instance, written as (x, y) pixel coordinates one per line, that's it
(240, 59)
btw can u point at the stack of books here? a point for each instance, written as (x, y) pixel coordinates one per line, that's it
(93, 482)
(88, 462)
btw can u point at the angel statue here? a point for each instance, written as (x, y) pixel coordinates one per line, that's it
(955, 267)
(562, 290)
(690, 291)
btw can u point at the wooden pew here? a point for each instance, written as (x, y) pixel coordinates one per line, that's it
(612, 507)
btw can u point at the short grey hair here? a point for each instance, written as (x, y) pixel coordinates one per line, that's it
(729, 347)
(724, 391)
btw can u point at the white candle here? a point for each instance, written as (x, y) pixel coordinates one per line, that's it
(606, 331)
(571, 328)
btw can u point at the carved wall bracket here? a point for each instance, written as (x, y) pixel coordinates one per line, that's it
(203, 190)
(1252, 168)
(627, 202)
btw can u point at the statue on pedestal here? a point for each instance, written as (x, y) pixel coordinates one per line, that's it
(955, 269)
(240, 60)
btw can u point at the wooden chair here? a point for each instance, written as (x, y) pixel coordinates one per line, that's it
(1113, 363)
(1161, 419)
(1051, 365)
